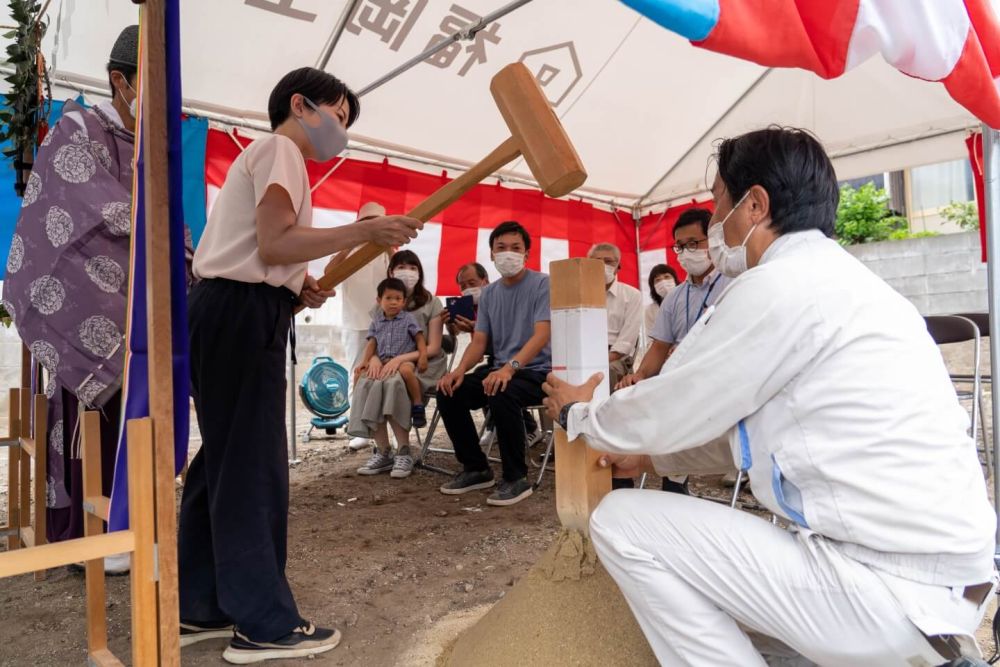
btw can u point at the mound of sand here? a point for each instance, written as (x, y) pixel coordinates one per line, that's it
(566, 611)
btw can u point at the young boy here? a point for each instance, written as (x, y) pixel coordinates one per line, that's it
(394, 332)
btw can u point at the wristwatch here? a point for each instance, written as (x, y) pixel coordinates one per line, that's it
(564, 415)
(515, 364)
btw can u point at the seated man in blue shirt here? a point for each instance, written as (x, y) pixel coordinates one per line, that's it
(681, 308)
(513, 319)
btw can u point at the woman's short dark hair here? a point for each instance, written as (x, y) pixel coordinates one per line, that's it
(511, 227)
(791, 165)
(693, 216)
(475, 266)
(317, 86)
(656, 272)
(420, 294)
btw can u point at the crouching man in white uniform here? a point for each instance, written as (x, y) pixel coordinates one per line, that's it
(838, 402)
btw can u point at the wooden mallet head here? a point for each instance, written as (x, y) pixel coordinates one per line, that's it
(540, 135)
(536, 134)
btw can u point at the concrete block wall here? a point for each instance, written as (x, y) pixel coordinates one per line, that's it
(939, 274)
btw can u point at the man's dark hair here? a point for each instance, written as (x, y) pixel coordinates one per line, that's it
(475, 266)
(315, 85)
(791, 165)
(693, 216)
(654, 274)
(511, 227)
(394, 284)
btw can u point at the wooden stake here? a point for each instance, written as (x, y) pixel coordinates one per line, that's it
(579, 349)
(25, 467)
(145, 626)
(14, 471)
(39, 432)
(158, 300)
(97, 622)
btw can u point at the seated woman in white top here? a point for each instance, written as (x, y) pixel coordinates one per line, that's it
(252, 264)
(380, 396)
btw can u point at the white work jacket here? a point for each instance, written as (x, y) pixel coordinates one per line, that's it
(836, 400)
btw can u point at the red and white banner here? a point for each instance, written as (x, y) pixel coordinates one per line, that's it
(559, 228)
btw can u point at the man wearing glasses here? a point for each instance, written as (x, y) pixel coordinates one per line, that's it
(682, 307)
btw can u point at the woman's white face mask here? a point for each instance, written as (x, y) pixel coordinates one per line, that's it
(730, 261)
(664, 287)
(410, 277)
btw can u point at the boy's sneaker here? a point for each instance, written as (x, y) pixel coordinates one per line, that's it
(510, 493)
(377, 463)
(192, 633)
(402, 467)
(418, 416)
(468, 481)
(302, 642)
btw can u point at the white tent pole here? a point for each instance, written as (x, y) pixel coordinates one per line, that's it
(466, 33)
(991, 176)
(331, 44)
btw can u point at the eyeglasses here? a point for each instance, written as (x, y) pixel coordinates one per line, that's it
(690, 246)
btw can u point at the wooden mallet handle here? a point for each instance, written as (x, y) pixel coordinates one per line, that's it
(425, 210)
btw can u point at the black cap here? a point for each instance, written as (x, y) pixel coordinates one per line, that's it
(126, 49)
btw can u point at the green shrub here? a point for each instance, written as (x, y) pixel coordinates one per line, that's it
(863, 216)
(962, 213)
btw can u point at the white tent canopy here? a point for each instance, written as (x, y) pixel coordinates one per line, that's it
(641, 104)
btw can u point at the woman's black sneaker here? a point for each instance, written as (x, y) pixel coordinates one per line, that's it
(302, 642)
(192, 633)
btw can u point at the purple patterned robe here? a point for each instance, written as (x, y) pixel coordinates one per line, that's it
(67, 272)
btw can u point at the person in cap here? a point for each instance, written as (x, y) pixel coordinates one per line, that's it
(251, 261)
(67, 276)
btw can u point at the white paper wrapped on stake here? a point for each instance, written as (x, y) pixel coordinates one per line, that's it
(580, 346)
(579, 349)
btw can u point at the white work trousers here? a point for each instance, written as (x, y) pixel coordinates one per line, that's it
(699, 576)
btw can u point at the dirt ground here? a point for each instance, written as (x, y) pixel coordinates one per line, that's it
(400, 568)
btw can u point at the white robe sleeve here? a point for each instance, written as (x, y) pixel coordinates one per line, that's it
(735, 358)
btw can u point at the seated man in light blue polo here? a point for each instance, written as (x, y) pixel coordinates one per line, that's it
(681, 308)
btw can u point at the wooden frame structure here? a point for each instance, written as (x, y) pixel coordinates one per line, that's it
(152, 535)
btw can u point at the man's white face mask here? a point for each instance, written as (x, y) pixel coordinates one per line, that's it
(695, 262)
(508, 263)
(474, 292)
(609, 274)
(730, 261)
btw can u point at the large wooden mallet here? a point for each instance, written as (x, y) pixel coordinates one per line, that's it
(536, 134)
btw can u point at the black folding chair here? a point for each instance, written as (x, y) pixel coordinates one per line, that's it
(947, 329)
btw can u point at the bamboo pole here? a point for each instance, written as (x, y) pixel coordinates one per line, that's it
(158, 302)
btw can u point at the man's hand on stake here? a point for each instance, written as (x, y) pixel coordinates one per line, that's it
(560, 393)
(626, 465)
